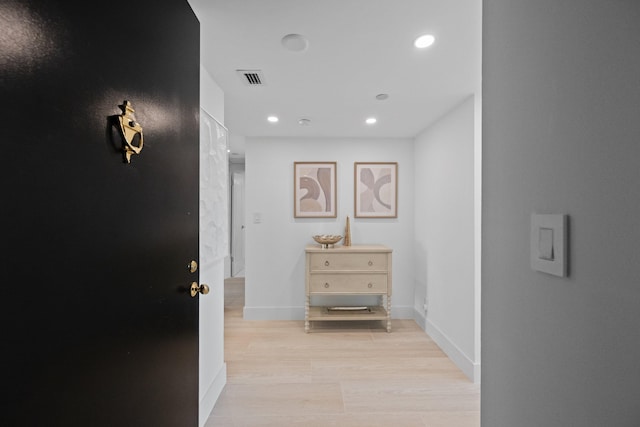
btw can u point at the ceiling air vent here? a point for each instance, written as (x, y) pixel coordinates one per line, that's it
(251, 77)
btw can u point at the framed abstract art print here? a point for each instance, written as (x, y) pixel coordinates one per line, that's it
(314, 190)
(376, 190)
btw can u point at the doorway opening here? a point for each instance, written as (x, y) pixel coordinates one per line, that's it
(237, 250)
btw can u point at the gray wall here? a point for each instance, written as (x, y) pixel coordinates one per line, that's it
(561, 134)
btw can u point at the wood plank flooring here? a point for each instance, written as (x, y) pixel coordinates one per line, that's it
(342, 374)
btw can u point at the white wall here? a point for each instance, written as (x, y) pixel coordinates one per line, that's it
(561, 106)
(211, 95)
(445, 250)
(274, 275)
(212, 368)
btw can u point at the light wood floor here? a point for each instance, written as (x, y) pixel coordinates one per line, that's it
(342, 374)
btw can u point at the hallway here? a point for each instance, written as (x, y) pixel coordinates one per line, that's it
(353, 374)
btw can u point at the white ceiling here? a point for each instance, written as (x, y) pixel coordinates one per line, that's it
(357, 49)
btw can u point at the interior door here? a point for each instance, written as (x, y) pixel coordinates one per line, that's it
(98, 328)
(238, 227)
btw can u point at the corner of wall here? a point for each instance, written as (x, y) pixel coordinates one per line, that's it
(470, 368)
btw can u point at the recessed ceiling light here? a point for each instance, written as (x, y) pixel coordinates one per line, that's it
(304, 121)
(424, 41)
(382, 96)
(295, 42)
(371, 120)
(272, 119)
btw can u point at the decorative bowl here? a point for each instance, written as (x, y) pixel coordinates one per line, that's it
(327, 240)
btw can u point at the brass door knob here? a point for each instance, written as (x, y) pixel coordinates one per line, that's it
(192, 266)
(195, 289)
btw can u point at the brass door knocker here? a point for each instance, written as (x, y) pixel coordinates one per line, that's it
(131, 131)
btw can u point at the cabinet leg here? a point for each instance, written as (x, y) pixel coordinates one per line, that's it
(306, 314)
(388, 313)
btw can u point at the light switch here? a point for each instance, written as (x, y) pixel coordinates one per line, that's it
(549, 249)
(257, 218)
(545, 243)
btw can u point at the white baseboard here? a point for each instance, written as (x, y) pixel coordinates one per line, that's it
(297, 313)
(208, 401)
(273, 313)
(402, 312)
(467, 366)
(418, 316)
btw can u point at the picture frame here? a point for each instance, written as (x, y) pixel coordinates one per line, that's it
(314, 194)
(375, 189)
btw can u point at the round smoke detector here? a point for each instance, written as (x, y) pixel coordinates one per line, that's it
(295, 42)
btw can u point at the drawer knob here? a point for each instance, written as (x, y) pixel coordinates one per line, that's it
(326, 263)
(370, 263)
(370, 285)
(326, 285)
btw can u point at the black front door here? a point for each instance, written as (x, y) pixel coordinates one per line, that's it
(98, 328)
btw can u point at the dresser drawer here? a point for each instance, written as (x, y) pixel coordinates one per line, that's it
(346, 261)
(348, 283)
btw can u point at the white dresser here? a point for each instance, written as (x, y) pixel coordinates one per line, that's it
(348, 270)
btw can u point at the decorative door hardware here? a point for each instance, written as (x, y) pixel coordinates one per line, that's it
(131, 132)
(203, 289)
